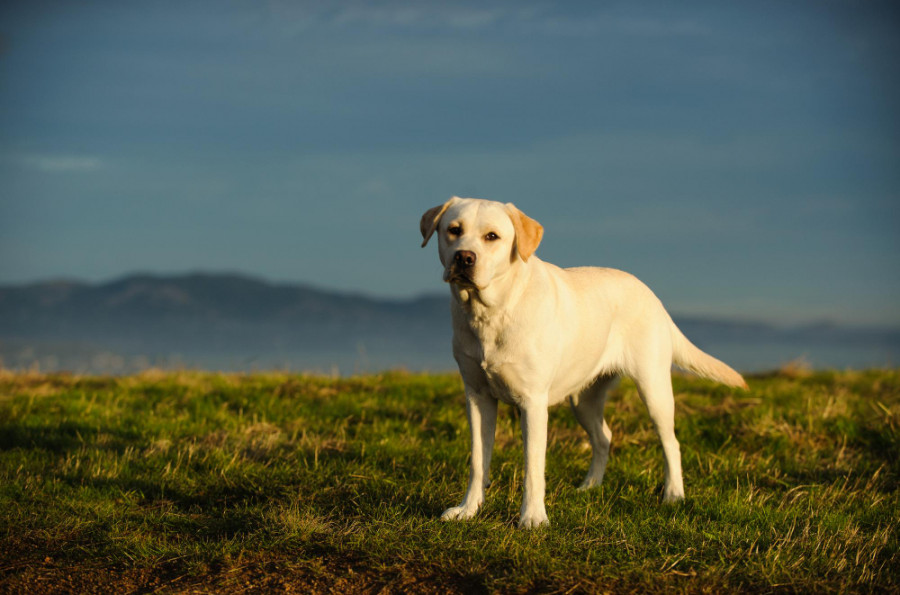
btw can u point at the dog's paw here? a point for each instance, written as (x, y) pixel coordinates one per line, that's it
(589, 483)
(666, 494)
(672, 498)
(458, 513)
(534, 519)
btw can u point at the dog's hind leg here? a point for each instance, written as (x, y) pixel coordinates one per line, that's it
(588, 409)
(655, 387)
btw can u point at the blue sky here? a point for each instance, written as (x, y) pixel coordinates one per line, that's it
(740, 158)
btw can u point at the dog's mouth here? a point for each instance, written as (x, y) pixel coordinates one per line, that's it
(455, 275)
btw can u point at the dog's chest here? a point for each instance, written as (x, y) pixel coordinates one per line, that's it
(489, 337)
(496, 348)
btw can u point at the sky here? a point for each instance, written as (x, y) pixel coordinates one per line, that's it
(741, 158)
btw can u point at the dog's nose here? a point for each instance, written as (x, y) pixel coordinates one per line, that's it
(464, 259)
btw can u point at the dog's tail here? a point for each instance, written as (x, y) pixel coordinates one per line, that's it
(688, 356)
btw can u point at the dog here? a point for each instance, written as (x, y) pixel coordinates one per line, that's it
(531, 334)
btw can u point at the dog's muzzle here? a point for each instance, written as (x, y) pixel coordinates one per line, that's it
(462, 267)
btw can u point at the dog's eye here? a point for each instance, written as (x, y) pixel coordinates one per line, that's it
(454, 230)
(491, 237)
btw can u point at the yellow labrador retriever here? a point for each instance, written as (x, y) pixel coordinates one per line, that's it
(532, 334)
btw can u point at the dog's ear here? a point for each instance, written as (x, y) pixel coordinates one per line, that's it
(528, 231)
(431, 218)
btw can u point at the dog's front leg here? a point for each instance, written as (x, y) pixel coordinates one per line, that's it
(482, 412)
(534, 433)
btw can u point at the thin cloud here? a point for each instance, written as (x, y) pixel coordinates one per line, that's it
(62, 164)
(528, 16)
(418, 16)
(299, 17)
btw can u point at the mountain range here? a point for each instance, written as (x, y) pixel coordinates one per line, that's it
(231, 321)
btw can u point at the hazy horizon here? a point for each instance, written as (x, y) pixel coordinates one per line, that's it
(229, 322)
(438, 293)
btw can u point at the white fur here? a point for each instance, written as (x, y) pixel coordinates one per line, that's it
(532, 334)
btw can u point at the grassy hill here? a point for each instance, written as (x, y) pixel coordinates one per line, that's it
(185, 482)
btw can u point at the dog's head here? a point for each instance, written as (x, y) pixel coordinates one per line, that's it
(479, 240)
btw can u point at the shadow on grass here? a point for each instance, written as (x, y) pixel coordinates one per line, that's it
(65, 437)
(210, 502)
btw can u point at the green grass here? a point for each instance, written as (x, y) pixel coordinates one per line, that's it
(191, 481)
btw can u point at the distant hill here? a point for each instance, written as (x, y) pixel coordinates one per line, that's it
(200, 316)
(240, 322)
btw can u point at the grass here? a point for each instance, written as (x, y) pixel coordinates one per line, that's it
(183, 482)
